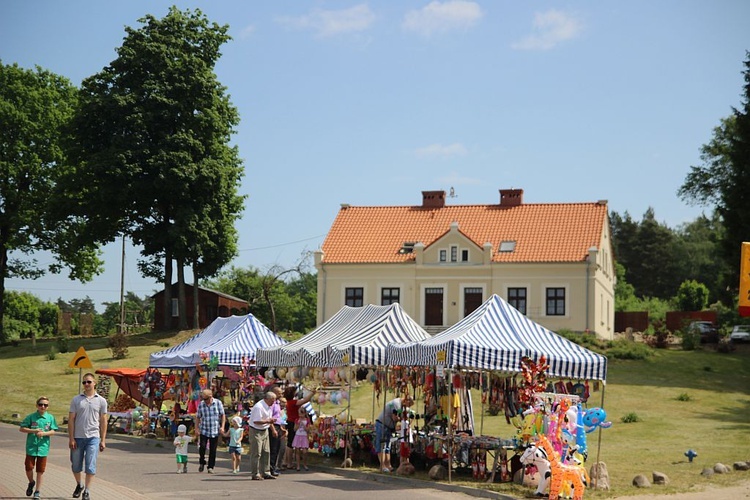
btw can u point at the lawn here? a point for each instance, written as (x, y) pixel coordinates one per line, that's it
(680, 400)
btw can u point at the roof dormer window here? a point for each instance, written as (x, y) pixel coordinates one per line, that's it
(507, 246)
(407, 247)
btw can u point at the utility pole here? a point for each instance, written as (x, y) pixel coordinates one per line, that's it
(122, 288)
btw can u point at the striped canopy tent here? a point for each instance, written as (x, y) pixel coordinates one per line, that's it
(230, 339)
(496, 336)
(353, 336)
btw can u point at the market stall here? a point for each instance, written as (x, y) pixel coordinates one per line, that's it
(496, 339)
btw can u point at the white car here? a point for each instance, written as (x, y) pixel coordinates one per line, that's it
(740, 333)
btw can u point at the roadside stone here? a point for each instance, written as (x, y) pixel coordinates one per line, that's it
(641, 481)
(720, 468)
(438, 473)
(15, 415)
(741, 466)
(599, 476)
(405, 469)
(707, 472)
(660, 478)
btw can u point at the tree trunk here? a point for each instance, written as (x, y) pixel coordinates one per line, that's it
(196, 295)
(3, 273)
(167, 308)
(183, 324)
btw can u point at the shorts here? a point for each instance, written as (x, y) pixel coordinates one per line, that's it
(182, 459)
(237, 450)
(382, 438)
(87, 449)
(40, 462)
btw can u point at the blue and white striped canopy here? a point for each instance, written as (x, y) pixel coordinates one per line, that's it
(352, 336)
(227, 338)
(496, 336)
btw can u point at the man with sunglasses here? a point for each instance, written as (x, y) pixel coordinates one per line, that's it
(210, 421)
(87, 431)
(38, 427)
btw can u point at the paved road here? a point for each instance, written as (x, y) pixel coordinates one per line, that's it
(146, 469)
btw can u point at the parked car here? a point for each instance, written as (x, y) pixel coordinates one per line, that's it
(740, 333)
(707, 330)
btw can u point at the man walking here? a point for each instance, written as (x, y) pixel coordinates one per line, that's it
(210, 423)
(87, 431)
(261, 421)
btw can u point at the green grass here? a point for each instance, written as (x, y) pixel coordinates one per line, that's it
(713, 420)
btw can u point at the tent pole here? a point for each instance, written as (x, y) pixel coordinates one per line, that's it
(348, 415)
(450, 424)
(599, 443)
(481, 383)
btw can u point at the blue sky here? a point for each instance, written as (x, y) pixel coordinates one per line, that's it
(369, 103)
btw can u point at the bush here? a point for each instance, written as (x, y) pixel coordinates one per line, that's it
(118, 345)
(691, 340)
(684, 397)
(52, 354)
(630, 418)
(587, 340)
(625, 349)
(63, 344)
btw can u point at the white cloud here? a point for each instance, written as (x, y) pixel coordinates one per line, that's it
(441, 151)
(550, 28)
(442, 17)
(327, 23)
(247, 31)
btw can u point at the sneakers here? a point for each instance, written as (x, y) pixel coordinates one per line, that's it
(235, 471)
(184, 469)
(200, 469)
(179, 471)
(268, 476)
(210, 470)
(77, 491)
(85, 495)
(30, 488)
(36, 495)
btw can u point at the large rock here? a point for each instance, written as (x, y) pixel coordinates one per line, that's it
(660, 478)
(720, 468)
(599, 476)
(438, 473)
(741, 466)
(405, 469)
(641, 481)
(707, 472)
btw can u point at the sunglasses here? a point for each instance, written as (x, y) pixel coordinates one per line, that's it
(87, 382)
(43, 404)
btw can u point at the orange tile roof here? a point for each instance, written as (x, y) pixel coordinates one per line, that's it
(551, 232)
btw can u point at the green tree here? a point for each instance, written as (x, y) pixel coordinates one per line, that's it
(153, 132)
(698, 244)
(692, 296)
(35, 107)
(723, 179)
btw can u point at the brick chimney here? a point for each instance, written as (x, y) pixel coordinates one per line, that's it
(433, 199)
(511, 197)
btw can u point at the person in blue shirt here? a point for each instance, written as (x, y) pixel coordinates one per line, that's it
(38, 427)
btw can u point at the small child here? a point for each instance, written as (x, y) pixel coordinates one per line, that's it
(181, 448)
(300, 442)
(235, 434)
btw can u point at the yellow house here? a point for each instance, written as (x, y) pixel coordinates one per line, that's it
(552, 261)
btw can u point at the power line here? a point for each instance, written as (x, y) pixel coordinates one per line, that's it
(281, 244)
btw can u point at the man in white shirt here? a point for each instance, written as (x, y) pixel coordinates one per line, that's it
(261, 422)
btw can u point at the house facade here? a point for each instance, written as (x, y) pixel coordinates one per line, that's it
(552, 261)
(211, 305)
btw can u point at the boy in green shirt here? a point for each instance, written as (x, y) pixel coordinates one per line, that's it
(38, 426)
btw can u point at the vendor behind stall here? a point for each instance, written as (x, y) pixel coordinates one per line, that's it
(385, 425)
